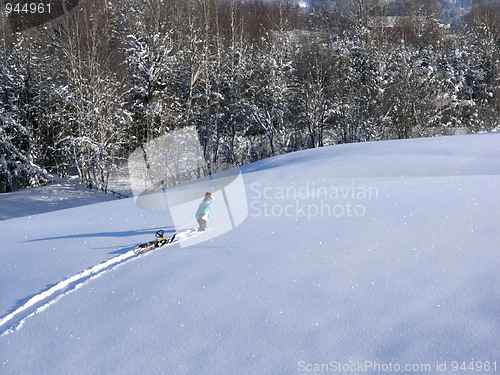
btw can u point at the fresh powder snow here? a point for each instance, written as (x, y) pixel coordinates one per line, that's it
(363, 258)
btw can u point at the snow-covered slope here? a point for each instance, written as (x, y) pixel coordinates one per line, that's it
(376, 254)
(55, 196)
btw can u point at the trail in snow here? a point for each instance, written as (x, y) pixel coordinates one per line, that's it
(46, 298)
(41, 301)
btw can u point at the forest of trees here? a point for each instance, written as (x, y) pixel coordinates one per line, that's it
(256, 78)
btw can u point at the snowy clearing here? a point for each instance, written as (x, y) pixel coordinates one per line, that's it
(377, 254)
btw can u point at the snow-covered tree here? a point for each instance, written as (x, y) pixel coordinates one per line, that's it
(154, 69)
(94, 124)
(19, 107)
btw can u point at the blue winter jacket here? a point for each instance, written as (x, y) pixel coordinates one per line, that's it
(205, 207)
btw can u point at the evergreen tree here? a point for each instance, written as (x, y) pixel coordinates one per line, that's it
(19, 106)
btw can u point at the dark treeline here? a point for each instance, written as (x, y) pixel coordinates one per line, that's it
(256, 78)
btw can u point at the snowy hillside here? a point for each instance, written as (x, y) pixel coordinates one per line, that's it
(52, 197)
(376, 257)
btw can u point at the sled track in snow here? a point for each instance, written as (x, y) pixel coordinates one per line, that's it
(39, 302)
(42, 300)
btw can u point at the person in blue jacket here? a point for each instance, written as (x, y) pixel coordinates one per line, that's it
(203, 211)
